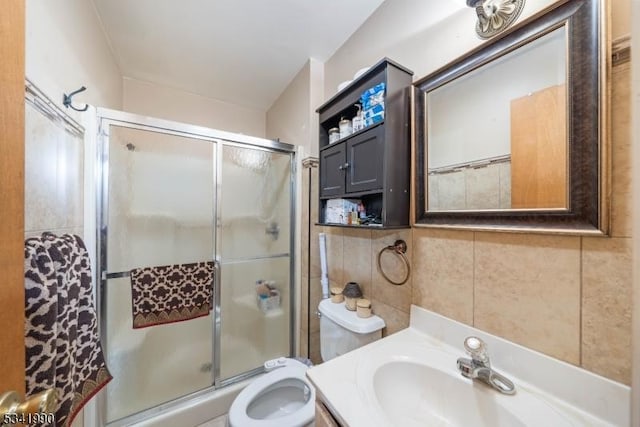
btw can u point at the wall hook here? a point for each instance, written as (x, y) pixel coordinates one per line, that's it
(66, 100)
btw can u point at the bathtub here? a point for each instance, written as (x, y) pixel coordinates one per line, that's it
(195, 410)
(189, 410)
(140, 386)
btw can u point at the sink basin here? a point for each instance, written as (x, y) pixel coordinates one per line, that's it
(422, 387)
(434, 398)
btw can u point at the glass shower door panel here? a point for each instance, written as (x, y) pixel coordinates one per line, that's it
(253, 330)
(255, 203)
(160, 212)
(152, 365)
(160, 199)
(254, 250)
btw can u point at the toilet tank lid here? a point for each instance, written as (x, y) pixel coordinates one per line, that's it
(349, 319)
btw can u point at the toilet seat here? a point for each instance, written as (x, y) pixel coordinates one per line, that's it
(293, 374)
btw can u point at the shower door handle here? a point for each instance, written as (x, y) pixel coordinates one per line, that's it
(217, 319)
(216, 280)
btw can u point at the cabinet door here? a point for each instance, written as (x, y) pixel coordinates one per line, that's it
(364, 161)
(332, 168)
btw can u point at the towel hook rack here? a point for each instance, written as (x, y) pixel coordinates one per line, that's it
(400, 248)
(67, 101)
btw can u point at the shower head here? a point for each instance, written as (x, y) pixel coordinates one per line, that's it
(131, 147)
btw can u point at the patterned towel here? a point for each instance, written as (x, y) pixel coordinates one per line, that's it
(171, 293)
(63, 348)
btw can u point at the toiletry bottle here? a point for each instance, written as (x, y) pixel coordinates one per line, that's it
(362, 213)
(357, 120)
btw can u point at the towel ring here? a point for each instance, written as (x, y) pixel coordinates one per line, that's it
(400, 248)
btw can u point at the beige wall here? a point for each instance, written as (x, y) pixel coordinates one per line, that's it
(288, 118)
(166, 103)
(568, 297)
(292, 117)
(66, 49)
(396, 30)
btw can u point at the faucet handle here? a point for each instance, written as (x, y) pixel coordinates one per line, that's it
(477, 349)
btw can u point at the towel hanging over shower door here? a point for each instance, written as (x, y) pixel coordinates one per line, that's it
(63, 349)
(171, 293)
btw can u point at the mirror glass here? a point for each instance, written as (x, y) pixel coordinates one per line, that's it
(497, 136)
(513, 135)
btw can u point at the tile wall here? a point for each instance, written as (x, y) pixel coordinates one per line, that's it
(486, 187)
(54, 171)
(565, 296)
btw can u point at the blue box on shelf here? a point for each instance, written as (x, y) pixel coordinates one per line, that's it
(372, 101)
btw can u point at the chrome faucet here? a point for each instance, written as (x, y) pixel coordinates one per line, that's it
(479, 367)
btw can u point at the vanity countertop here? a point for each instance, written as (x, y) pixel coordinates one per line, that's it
(411, 378)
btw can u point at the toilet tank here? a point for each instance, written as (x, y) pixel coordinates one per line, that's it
(342, 330)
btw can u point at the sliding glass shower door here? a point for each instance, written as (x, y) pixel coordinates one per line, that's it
(172, 195)
(254, 243)
(160, 212)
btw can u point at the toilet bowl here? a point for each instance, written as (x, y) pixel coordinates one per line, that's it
(284, 397)
(280, 398)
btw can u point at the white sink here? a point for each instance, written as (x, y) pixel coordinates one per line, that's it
(427, 390)
(413, 394)
(411, 379)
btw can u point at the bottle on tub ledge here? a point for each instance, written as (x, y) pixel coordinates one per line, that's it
(268, 296)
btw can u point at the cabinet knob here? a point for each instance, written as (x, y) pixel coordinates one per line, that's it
(344, 167)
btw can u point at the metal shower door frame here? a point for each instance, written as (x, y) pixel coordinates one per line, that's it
(107, 118)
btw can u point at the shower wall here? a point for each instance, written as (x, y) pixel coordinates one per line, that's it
(54, 165)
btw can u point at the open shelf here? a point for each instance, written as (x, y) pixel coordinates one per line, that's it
(353, 135)
(370, 227)
(355, 195)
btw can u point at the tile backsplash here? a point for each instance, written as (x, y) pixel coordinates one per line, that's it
(568, 297)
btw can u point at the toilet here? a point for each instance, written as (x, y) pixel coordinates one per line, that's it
(284, 397)
(342, 330)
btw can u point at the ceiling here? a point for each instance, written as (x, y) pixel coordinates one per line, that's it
(241, 51)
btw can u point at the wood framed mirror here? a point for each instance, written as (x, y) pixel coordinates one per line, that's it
(514, 135)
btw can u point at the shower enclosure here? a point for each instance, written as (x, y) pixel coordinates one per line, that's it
(171, 193)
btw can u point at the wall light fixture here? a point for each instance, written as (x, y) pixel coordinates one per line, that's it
(494, 16)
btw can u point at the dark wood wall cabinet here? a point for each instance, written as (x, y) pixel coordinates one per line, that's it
(370, 165)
